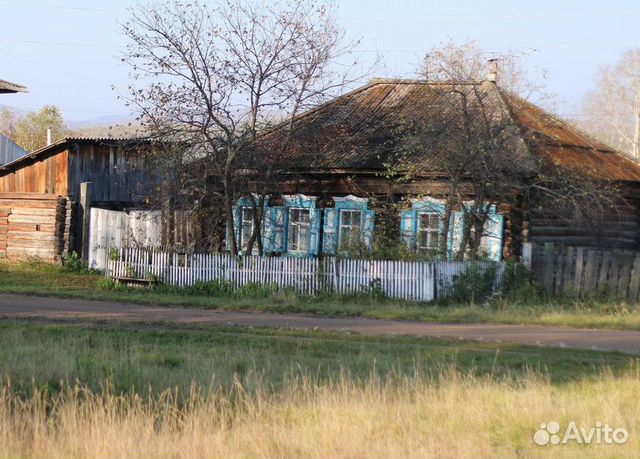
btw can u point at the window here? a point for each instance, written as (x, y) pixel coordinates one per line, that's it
(246, 227)
(299, 230)
(428, 237)
(350, 232)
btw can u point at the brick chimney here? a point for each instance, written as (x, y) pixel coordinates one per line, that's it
(492, 75)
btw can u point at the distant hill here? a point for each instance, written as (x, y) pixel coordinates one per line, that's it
(107, 120)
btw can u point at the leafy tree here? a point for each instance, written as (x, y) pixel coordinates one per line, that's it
(30, 131)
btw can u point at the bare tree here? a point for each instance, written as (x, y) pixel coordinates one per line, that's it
(612, 108)
(214, 78)
(470, 138)
(473, 141)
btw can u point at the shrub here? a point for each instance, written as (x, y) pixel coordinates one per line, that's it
(150, 277)
(218, 287)
(105, 283)
(73, 263)
(130, 272)
(474, 285)
(255, 290)
(114, 254)
(374, 289)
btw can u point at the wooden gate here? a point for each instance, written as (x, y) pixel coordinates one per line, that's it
(34, 225)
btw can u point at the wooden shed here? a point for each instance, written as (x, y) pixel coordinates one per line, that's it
(45, 195)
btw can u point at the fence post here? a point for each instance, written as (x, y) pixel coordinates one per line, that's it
(527, 254)
(85, 203)
(634, 283)
(579, 265)
(548, 267)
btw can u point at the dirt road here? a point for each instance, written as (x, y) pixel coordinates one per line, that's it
(17, 306)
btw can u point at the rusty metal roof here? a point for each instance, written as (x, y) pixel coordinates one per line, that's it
(7, 87)
(564, 145)
(358, 131)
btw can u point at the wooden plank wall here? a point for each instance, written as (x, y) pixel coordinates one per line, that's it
(615, 231)
(136, 228)
(580, 271)
(116, 173)
(45, 175)
(36, 225)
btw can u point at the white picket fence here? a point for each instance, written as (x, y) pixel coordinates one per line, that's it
(418, 281)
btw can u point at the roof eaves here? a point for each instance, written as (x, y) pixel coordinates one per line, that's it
(7, 87)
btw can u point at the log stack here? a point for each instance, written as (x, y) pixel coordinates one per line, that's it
(33, 225)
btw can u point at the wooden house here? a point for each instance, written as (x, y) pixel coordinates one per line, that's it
(339, 170)
(45, 195)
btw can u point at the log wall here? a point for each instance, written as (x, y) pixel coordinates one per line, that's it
(34, 225)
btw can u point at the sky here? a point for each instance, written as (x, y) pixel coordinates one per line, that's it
(67, 51)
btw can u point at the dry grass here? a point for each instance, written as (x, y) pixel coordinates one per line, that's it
(454, 417)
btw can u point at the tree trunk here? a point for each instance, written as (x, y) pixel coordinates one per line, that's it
(228, 208)
(448, 210)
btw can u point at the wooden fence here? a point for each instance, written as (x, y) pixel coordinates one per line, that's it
(583, 270)
(419, 281)
(139, 228)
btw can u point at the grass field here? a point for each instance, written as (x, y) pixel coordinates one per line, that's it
(157, 357)
(521, 308)
(89, 390)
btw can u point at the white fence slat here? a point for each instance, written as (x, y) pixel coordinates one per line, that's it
(420, 280)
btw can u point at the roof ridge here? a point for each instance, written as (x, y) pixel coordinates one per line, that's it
(376, 80)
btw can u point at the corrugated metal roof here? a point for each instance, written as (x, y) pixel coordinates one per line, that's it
(7, 87)
(9, 150)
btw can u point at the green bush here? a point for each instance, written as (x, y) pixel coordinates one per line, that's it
(218, 287)
(255, 290)
(474, 285)
(374, 289)
(73, 263)
(130, 272)
(150, 277)
(105, 283)
(114, 254)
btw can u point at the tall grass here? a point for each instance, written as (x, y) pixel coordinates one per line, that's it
(453, 416)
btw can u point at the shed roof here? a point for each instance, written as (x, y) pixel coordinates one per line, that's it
(62, 144)
(357, 131)
(9, 150)
(7, 87)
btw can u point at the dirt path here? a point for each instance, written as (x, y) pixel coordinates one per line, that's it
(17, 306)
